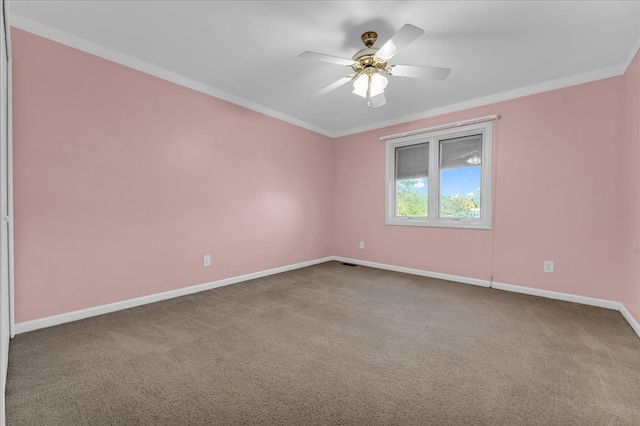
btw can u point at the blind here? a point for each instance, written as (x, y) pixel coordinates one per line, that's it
(461, 152)
(412, 161)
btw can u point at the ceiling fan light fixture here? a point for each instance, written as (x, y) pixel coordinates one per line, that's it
(378, 83)
(371, 66)
(361, 85)
(373, 83)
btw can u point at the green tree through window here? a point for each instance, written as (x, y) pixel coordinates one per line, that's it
(410, 201)
(456, 206)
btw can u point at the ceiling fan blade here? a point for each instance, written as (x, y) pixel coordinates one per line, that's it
(325, 58)
(405, 36)
(420, 72)
(332, 86)
(378, 100)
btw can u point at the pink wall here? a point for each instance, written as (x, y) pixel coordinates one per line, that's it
(123, 181)
(555, 193)
(630, 188)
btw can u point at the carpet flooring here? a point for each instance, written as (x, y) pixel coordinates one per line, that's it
(332, 345)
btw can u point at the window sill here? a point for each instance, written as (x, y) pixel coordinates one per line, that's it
(455, 224)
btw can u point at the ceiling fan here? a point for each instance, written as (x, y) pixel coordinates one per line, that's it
(371, 66)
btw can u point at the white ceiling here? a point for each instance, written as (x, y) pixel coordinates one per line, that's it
(247, 52)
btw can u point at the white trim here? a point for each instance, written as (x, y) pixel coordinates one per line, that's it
(491, 99)
(413, 271)
(442, 127)
(6, 317)
(12, 315)
(632, 54)
(583, 300)
(51, 33)
(634, 49)
(24, 327)
(484, 126)
(630, 319)
(601, 303)
(126, 304)
(96, 49)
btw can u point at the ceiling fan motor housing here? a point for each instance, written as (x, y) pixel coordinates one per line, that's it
(367, 58)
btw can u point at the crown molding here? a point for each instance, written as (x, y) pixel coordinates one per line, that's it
(92, 48)
(492, 99)
(572, 80)
(37, 28)
(636, 46)
(633, 52)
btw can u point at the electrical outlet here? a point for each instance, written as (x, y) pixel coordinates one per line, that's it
(361, 245)
(548, 266)
(207, 260)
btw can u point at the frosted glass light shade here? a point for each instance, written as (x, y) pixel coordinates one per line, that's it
(360, 85)
(378, 83)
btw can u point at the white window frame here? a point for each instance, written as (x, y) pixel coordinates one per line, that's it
(434, 138)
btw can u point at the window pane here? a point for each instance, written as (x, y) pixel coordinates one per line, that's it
(460, 177)
(412, 171)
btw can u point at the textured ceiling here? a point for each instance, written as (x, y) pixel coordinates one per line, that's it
(248, 51)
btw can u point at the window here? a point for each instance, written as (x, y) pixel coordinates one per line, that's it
(441, 178)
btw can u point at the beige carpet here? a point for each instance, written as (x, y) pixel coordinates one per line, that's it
(333, 345)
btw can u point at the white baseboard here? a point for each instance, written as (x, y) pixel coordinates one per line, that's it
(630, 319)
(26, 326)
(125, 304)
(592, 301)
(601, 303)
(422, 273)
